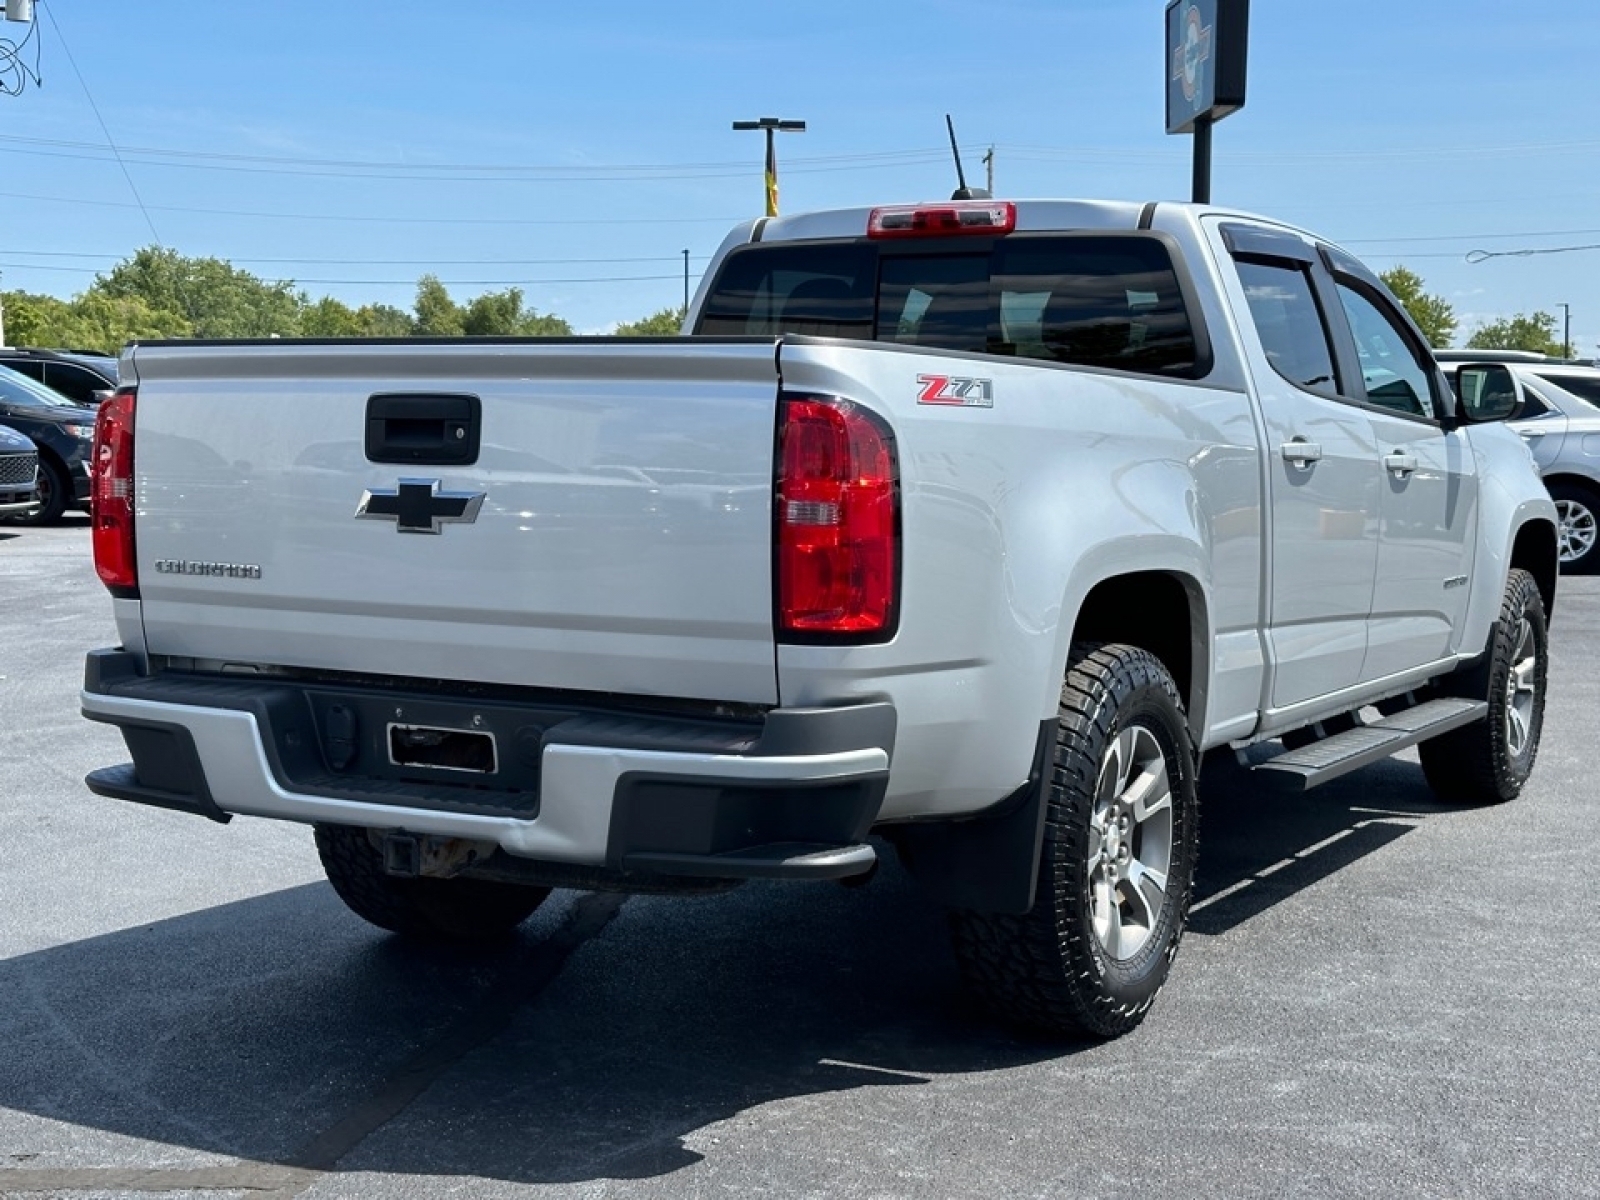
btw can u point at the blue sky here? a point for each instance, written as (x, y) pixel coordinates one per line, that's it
(352, 145)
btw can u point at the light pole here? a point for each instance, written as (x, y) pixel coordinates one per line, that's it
(770, 126)
(686, 282)
(1566, 331)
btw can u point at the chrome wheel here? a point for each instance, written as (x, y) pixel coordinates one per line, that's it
(1130, 843)
(1521, 689)
(1575, 529)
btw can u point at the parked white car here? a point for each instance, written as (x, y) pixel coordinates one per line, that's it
(1559, 417)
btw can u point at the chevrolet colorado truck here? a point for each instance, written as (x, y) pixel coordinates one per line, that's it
(961, 528)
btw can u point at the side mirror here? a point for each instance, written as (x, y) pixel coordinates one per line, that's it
(101, 395)
(1486, 392)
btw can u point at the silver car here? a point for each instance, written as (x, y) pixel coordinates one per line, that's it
(1560, 420)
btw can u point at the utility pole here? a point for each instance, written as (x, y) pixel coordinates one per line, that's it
(1566, 331)
(770, 126)
(988, 167)
(686, 282)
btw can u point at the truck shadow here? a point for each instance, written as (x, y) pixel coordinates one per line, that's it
(1260, 846)
(280, 1030)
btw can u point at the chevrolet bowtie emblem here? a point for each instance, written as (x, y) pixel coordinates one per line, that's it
(418, 506)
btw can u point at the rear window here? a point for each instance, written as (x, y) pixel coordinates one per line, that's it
(1089, 299)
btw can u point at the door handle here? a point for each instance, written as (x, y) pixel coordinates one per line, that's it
(423, 429)
(1299, 453)
(1400, 464)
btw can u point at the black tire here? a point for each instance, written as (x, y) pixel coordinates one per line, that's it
(55, 492)
(1488, 761)
(460, 911)
(1578, 513)
(1095, 949)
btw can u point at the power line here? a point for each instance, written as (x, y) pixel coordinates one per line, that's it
(379, 262)
(818, 160)
(49, 11)
(1478, 256)
(541, 175)
(368, 219)
(15, 75)
(1471, 237)
(386, 282)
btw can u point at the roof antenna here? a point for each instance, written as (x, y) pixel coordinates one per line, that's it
(963, 192)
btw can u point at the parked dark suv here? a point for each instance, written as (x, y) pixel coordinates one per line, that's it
(80, 376)
(63, 432)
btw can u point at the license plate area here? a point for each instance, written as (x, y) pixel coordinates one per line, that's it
(443, 749)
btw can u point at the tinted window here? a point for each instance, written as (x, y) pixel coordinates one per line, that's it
(1394, 377)
(25, 393)
(1096, 301)
(33, 368)
(1289, 320)
(826, 290)
(1533, 404)
(74, 382)
(1104, 301)
(1584, 387)
(939, 301)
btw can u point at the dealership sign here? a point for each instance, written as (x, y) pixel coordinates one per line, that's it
(1206, 43)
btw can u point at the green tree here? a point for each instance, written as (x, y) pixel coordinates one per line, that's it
(328, 318)
(1521, 332)
(34, 320)
(384, 320)
(110, 322)
(537, 324)
(494, 314)
(216, 299)
(1432, 313)
(437, 314)
(666, 323)
(502, 314)
(91, 321)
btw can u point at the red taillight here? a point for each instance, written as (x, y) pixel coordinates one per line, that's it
(837, 542)
(112, 495)
(943, 220)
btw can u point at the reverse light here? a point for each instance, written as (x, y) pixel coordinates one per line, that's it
(942, 220)
(837, 544)
(111, 495)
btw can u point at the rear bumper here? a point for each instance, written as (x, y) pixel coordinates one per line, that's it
(790, 794)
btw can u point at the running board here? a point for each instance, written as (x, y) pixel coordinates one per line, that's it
(1303, 769)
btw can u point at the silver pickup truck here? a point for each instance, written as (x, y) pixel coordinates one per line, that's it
(962, 528)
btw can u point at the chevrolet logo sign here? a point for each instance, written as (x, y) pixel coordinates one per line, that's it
(418, 506)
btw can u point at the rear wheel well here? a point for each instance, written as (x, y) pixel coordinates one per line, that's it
(1155, 611)
(1535, 552)
(1575, 481)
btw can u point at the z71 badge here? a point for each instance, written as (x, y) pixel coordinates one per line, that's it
(955, 391)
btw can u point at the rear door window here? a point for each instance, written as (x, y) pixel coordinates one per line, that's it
(1289, 320)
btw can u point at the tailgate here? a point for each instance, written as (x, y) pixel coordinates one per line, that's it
(621, 542)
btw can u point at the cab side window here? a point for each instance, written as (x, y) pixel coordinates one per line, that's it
(1395, 378)
(1284, 309)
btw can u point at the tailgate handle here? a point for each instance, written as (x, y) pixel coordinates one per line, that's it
(423, 429)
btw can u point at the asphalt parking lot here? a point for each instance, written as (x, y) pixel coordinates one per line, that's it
(1378, 997)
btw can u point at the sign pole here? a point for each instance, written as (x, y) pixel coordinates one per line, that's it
(1206, 47)
(1202, 161)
